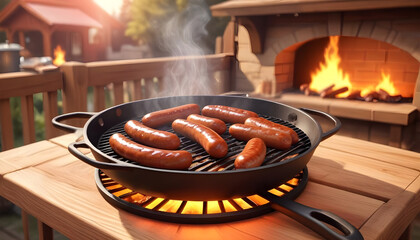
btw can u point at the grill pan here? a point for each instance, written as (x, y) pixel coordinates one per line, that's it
(210, 185)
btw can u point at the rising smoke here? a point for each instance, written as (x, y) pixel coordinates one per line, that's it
(183, 35)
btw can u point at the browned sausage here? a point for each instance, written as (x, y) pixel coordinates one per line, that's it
(227, 114)
(214, 145)
(253, 154)
(151, 137)
(148, 156)
(271, 137)
(213, 123)
(167, 116)
(265, 123)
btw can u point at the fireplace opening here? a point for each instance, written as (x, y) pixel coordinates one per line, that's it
(355, 68)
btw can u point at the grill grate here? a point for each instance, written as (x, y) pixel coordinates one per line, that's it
(195, 211)
(201, 160)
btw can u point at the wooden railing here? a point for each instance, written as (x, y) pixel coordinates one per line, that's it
(128, 80)
(124, 80)
(24, 85)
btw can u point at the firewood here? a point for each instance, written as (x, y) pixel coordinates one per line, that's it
(333, 93)
(395, 98)
(355, 95)
(383, 95)
(372, 97)
(310, 92)
(327, 89)
(386, 97)
(306, 90)
(303, 87)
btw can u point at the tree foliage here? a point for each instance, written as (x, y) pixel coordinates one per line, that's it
(148, 19)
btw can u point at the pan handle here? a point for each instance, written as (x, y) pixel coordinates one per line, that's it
(74, 150)
(336, 121)
(315, 219)
(56, 121)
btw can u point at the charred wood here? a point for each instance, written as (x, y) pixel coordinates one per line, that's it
(332, 93)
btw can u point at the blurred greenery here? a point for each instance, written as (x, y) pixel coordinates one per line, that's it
(3, 3)
(15, 109)
(147, 17)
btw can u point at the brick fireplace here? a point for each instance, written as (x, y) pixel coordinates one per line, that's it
(375, 35)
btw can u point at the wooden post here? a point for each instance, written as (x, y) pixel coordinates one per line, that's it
(44, 231)
(75, 78)
(46, 35)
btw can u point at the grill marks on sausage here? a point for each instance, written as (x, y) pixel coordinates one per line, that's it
(215, 124)
(271, 137)
(148, 156)
(252, 155)
(227, 114)
(212, 142)
(167, 116)
(151, 137)
(205, 130)
(264, 123)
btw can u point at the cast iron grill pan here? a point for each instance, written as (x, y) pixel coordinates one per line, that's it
(202, 160)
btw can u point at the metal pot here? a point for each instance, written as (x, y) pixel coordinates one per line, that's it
(9, 57)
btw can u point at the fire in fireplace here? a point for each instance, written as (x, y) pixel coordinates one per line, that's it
(334, 78)
(59, 56)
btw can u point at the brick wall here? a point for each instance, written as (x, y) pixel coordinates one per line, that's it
(396, 33)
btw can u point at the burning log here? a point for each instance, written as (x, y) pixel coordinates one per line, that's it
(372, 97)
(327, 89)
(305, 89)
(332, 93)
(355, 95)
(386, 97)
(383, 95)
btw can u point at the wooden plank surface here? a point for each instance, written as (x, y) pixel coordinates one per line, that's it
(395, 215)
(53, 186)
(379, 180)
(376, 151)
(24, 157)
(66, 190)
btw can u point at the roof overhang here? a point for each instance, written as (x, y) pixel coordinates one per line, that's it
(273, 7)
(54, 15)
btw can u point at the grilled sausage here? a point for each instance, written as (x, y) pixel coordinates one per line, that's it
(167, 116)
(271, 137)
(148, 156)
(213, 123)
(151, 137)
(253, 154)
(227, 114)
(265, 123)
(214, 145)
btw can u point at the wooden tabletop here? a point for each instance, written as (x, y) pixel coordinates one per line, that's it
(374, 187)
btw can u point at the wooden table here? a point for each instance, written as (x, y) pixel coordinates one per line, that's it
(374, 187)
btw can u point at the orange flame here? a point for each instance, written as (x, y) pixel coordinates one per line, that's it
(331, 73)
(59, 56)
